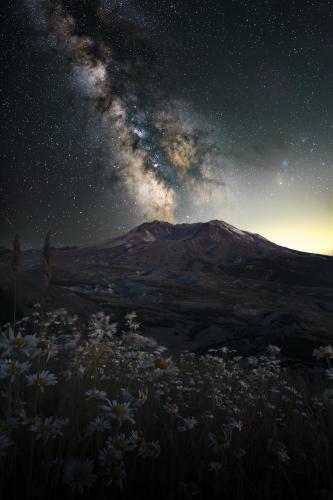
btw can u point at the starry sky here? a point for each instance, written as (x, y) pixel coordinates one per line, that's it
(115, 112)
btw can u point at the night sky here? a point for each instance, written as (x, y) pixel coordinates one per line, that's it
(118, 112)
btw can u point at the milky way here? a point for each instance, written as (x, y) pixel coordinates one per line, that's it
(163, 159)
(122, 111)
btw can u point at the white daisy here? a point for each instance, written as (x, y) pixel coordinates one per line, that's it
(132, 321)
(118, 411)
(99, 424)
(79, 474)
(8, 424)
(171, 408)
(45, 347)
(49, 427)
(95, 394)
(279, 449)
(5, 442)
(136, 401)
(161, 365)
(111, 460)
(144, 448)
(109, 456)
(12, 368)
(42, 379)
(323, 352)
(150, 450)
(187, 424)
(274, 350)
(121, 443)
(216, 466)
(13, 343)
(190, 489)
(232, 425)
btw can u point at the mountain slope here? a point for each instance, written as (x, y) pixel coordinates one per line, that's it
(182, 246)
(213, 231)
(194, 286)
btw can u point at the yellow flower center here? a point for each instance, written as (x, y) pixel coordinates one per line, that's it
(18, 342)
(6, 426)
(119, 410)
(44, 428)
(81, 475)
(161, 363)
(82, 343)
(41, 381)
(43, 344)
(14, 370)
(141, 443)
(120, 444)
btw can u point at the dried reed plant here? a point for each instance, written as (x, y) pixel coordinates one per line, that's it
(46, 263)
(16, 261)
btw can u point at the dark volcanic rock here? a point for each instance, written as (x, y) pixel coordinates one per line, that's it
(194, 286)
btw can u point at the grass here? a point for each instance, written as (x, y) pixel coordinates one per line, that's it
(89, 411)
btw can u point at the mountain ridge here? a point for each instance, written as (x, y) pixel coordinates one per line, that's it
(214, 230)
(194, 286)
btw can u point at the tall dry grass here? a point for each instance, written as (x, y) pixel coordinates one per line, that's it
(46, 260)
(16, 261)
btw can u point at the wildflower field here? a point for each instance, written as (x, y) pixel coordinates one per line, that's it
(91, 411)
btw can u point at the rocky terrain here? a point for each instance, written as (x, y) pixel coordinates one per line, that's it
(194, 286)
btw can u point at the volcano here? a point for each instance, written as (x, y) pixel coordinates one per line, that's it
(161, 244)
(194, 286)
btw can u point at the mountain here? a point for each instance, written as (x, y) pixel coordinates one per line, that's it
(194, 286)
(212, 248)
(162, 243)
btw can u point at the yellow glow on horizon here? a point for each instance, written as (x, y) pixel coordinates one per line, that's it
(307, 238)
(302, 221)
